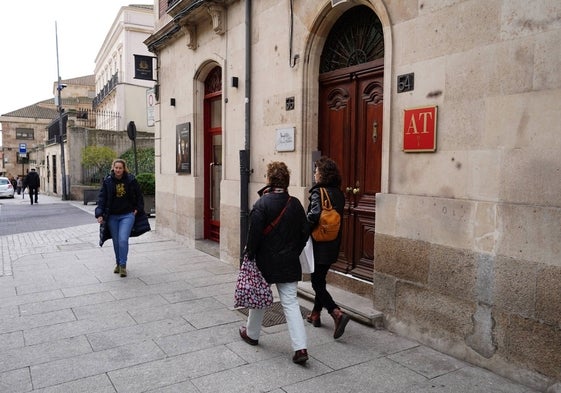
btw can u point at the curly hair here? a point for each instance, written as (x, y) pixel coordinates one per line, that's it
(328, 172)
(278, 174)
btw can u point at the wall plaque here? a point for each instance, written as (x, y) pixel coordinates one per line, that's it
(419, 129)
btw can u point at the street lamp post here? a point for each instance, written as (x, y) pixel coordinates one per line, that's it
(60, 86)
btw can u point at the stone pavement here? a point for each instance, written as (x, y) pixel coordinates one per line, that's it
(68, 324)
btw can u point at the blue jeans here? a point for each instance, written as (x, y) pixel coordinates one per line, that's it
(120, 226)
(289, 299)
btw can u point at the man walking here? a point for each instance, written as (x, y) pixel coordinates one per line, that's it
(32, 183)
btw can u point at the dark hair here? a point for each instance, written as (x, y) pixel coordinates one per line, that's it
(328, 172)
(278, 174)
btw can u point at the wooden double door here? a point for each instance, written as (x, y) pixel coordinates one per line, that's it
(350, 132)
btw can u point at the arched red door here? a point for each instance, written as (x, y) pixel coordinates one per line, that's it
(212, 153)
(350, 128)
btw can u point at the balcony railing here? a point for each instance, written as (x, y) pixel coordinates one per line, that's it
(108, 88)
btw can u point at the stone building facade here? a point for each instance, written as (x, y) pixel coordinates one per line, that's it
(116, 88)
(443, 116)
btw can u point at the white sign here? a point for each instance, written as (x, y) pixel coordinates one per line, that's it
(285, 139)
(150, 106)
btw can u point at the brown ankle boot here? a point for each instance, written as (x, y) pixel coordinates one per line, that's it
(314, 318)
(341, 319)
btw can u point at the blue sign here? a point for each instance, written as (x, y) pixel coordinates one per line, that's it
(23, 148)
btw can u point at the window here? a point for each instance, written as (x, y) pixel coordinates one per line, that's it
(25, 133)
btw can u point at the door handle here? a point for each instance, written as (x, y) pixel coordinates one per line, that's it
(375, 131)
(211, 181)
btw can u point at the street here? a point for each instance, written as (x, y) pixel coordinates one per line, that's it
(17, 215)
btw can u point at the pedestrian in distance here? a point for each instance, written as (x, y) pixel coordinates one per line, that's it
(120, 200)
(19, 184)
(32, 183)
(326, 176)
(277, 234)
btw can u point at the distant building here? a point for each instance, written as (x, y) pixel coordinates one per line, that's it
(117, 90)
(36, 127)
(104, 101)
(26, 127)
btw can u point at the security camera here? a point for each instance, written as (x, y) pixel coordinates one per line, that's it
(62, 86)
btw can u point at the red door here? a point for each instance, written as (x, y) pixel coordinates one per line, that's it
(350, 132)
(212, 153)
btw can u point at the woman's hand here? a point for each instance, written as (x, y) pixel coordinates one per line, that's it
(134, 212)
(100, 219)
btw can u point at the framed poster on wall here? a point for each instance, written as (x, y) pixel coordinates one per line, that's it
(183, 155)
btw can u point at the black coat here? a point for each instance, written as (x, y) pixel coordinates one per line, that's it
(325, 253)
(32, 180)
(277, 253)
(107, 193)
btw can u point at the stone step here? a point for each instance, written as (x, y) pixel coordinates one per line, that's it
(357, 307)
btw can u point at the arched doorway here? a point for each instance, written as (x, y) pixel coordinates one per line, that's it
(212, 114)
(350, 128)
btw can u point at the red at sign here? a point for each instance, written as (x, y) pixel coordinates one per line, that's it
(419, 129)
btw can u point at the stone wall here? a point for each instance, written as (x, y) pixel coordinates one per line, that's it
(79, 138)
(443, 283)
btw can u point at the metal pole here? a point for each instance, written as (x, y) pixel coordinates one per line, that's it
(60, 126)
(245, 159)
(135, 157)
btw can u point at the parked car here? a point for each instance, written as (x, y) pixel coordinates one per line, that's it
(6, 188)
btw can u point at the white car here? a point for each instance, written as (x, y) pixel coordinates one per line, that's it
(6, 188)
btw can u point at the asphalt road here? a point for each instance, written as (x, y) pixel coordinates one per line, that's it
(19, 216)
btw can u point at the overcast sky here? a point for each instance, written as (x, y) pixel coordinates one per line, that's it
(28, 64)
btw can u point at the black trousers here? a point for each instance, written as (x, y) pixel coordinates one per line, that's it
(33, 194)
(319, 284)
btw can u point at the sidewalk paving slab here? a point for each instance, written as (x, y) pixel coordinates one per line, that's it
(69, 325)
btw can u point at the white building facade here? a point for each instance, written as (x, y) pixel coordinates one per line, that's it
(117, 90)
(443, 118)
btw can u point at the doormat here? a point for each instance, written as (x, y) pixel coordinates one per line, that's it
(274, 314)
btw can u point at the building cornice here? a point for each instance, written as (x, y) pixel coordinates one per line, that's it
(187, 15)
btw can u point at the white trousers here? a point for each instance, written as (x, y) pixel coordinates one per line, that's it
(289, 301)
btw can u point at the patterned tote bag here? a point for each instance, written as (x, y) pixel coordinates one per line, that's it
(252, 291)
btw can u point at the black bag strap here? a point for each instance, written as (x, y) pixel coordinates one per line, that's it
(270, 227)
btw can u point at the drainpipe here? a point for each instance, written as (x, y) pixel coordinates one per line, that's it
(245, 170)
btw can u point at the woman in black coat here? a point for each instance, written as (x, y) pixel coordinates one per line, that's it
(120, 200)
(326, 176)
(278, 231)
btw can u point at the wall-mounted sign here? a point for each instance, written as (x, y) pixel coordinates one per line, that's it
(143, 68)
(405, 82)
(285, 139)
(419, 129)
(183, 155)
(150, 107)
